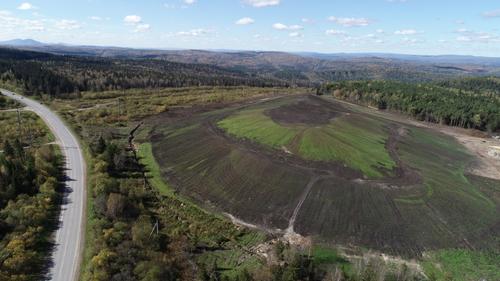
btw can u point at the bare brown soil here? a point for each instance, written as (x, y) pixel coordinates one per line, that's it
(307, 110)
(282, 193)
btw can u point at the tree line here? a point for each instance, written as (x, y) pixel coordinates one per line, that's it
(63, 76)
(463, 106)
(30, 194)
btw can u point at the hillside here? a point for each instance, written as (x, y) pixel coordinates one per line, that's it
(340, 173)
(300, 68)
(55, 75)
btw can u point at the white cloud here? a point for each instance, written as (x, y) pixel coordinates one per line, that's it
(295, 27)
(67, 24)
(410, 40)
(195, 32)
(466, 35)
(262, 3)
(350, 22)
(10, 23)
(380, 31)
(492, 14)
(335, 32)
(132, 19)
(280, 26)
(464, 39)
(96, 18)
(295, 34)
(143, 27)
(136, 22)
(406, 32)
(245, 21)
(189, 2)
(26, 6)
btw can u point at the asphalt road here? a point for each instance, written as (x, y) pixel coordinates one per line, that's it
(69, 236)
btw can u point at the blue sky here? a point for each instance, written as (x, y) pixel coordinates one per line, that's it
(330, 26)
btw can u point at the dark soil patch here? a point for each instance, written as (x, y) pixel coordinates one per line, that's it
(271, 188)
(307, 110)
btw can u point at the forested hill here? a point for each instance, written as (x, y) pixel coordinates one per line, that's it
(300, 69)
(57, 75)
(467, 103)
(476, 85)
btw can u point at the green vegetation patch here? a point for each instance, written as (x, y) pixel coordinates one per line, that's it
(462, 265)
(31, 130)
(357, 141)
(254, 125)
(360, 147)
(153, 170)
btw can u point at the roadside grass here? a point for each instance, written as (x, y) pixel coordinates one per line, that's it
(90, 220)
(462, 265)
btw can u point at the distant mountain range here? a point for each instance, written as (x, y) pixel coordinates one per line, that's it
(22, 43)
(295, 68)
(110, 51)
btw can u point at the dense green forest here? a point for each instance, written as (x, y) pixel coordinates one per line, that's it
(39, 73)
(30, 193)
(454, 105)
(475, 85)
(69, 74)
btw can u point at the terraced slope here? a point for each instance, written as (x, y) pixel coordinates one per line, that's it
(333, 171)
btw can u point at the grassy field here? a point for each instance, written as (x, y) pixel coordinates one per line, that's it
(354, 140)
(255, 126)
(358, 146)
(463, 265)
(153, 170)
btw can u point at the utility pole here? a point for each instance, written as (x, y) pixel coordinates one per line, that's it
(155, 227)
(121, 105)
(18, 124)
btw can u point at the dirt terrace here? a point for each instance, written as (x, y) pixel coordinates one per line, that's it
(276, 191)
(306, 110)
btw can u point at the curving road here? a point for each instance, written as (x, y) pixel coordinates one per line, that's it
(69, 236)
